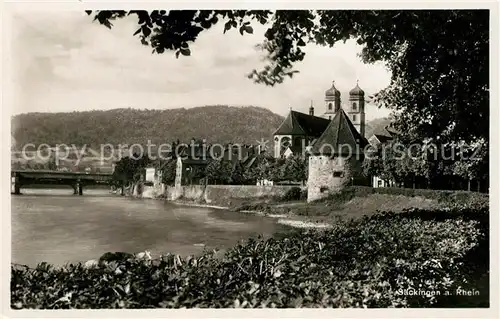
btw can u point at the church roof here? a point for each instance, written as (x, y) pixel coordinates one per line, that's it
(339, 132)
(297, 123)
(356, 91)
(332, 91)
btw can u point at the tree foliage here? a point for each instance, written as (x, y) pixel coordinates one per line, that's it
(439, 61)
(427, 161)
(129, 169)
(168, 170)
(438, 58)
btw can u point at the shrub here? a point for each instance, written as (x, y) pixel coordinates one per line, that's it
(303, 194)
(294, 193)
(369, 262)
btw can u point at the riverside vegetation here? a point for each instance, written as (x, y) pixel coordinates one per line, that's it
(413, 258)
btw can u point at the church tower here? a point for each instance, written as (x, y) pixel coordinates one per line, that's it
(332, 102)
(311, 109)
(356, 110)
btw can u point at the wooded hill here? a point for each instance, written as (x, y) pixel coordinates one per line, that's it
(217, 124)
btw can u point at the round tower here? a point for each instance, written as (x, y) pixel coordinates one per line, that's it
(356, 111)
(332, 101)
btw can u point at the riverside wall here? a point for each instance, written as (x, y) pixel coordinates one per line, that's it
(213, 193)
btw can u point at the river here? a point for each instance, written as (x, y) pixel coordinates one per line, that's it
(58, 227)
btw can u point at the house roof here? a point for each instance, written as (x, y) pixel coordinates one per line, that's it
(297, 123)
(339, 136)
(382, 138)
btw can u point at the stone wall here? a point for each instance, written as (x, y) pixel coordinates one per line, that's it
(329, 175)
(219, 192)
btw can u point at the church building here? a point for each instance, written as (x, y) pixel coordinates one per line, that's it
(298, 131)
(334, 141)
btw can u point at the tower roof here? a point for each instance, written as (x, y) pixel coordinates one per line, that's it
(356, 90)
(339, 137)
(297, 123)
(332, 91)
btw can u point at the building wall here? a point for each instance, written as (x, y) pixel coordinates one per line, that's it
(329, 175)
(178, 173)
(278, 141)
(379, 182)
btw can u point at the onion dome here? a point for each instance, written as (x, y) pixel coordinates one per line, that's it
(357, 90)
(332, 91)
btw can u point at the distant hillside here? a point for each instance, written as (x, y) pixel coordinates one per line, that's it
(376, 125)
(217, 124)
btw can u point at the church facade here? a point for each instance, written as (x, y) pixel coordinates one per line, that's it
(334, 141)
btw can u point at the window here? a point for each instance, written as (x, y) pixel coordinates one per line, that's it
(354, 117)
(285, 141)
(298, 141)
(338, 174)
(379, 183)
(354, 106)
(329, 106)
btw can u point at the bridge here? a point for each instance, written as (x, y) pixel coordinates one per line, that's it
(77, 180)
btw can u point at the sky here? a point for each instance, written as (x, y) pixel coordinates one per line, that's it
(64, 62)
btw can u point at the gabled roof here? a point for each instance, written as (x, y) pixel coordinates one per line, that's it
(297, 123)
(382, 138)
(338, 137)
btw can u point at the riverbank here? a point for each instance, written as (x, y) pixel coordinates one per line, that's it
(282, 219)
(352, 203)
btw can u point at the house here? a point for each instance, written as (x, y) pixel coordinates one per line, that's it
(378, 140)
(193, 159)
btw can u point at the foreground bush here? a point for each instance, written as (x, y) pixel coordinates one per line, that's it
(369, 262)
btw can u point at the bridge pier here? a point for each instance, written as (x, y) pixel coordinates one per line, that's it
(17, 185)
(78, 188)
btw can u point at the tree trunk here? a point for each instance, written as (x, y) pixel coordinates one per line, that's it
(468, 185)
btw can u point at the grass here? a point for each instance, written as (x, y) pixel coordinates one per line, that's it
(356, 202)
